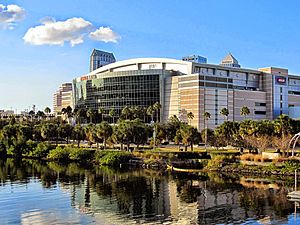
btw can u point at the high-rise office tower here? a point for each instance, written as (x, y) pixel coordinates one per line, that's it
(100, 58)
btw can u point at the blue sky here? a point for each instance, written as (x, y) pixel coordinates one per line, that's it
(257, 33)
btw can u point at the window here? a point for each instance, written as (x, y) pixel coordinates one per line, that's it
(260, 104)
(260, 112)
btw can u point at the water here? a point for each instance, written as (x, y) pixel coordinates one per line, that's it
(33, 192)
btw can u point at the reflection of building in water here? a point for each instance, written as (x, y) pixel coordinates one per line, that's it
(182, 212)
(237, 204)
(136, 198)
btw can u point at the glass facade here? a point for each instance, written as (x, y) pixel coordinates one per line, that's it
(115, 90)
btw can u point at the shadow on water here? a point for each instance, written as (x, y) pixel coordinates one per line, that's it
(144, 196)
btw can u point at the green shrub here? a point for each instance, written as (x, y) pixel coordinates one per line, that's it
(291, 165)
(59, 154)
(3, 151)
(113, 158)
(41, 150)
(220, 160)
(81, 155)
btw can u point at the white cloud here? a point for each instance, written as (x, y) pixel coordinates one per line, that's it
(104, 34)
(11, 14)
(51, 32)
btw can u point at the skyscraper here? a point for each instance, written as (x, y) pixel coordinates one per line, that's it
(63, 98)
(100, 58)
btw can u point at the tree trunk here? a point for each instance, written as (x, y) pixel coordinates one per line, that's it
(104, 143)
(78, 143)
(128, 145)
(192, 148)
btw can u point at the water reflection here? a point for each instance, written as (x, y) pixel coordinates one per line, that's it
(33, 192)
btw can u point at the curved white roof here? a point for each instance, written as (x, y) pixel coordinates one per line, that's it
(143, 64)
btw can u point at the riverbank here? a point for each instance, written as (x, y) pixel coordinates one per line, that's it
(220, 161)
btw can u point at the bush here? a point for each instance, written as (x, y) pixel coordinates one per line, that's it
(2, 149)
(247, 157)
(220, 161)
(113, 158)
(41, 150)
(59, 154)
(81, 155)
(291, 165)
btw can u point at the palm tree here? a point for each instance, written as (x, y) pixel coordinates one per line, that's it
(101, 111)
(157, 107)
(126, 112)
(79, 113)
(224, 112)
(47, 110)
(245, 111)
(40, 114)
(104, 131)
(190, 116)
(206, 117)
(112, 114)
(91, 114)
(31, 114)
(150, 112)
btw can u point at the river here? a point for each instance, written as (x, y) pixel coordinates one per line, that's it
(33, 192)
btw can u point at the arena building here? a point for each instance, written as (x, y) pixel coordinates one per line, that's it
(183, 86)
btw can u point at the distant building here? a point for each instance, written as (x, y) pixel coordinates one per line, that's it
(63, 98)
(100, 58)
(6, 113)
(195, 59)
(230, 61)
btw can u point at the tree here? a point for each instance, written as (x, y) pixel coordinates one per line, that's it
(65, 131)
(47, 110)
(245, 111)
(104, 131)
(140, 132)
(40, 114)
(228, 132)
(101, 111)
(190, 116)
(91, 134)
(259, 142)
(31, 114)
(224, 112)
(112, 114)
(67, 113)
(150, 112)
(126, 112)
(78, 134)
(208, 136)
(156, 108)
(283, 125)
(49, 131)
(172, 126)
(206, 117)
(189, 135)
(79, 113)
(91, 114)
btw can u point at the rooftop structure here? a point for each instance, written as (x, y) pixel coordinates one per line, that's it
(230, 61)
(195, 58)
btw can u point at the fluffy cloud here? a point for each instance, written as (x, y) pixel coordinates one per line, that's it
(51, 32)
(104, 34)
(11, 14)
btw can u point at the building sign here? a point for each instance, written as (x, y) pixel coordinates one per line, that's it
(280, 80)
(83, 78)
